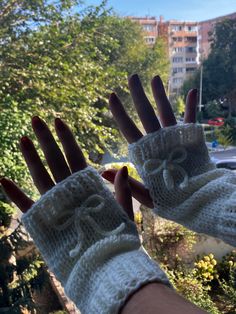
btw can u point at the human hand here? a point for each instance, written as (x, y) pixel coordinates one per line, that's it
(59, 166)
(86, 239)
(150, 121)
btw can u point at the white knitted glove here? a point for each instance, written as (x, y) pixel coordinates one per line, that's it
(184, 184)
(90, 244)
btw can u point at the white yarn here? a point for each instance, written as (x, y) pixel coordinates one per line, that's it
(90, 244)
(184, 184)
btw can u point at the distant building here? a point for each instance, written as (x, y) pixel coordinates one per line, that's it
(183, 52)
(188, 44)
(150, 27)
(205, 28)
(182, 42)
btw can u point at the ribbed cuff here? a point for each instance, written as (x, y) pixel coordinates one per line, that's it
(113, 282)
(161, 143)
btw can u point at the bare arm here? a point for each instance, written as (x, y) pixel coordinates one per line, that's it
(158, 298)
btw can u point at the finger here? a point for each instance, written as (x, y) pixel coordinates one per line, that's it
(165, 111)
(138, 190)
(144, 108)
(123, 192)
(51, 150)
(191, 106)
(15, 194)
(125, 124)
(39, 174)
(72, 150)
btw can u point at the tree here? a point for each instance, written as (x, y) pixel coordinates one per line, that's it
(179, 106)
(219, 69)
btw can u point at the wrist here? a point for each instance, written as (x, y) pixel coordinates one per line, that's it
(111, 283)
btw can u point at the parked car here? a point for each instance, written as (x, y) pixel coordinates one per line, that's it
(227, 164)
(216, 121)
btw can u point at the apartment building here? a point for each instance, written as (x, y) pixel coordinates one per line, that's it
(182, 42)
(188, 44)
(183, 52)
(150, 27)
(205, 28)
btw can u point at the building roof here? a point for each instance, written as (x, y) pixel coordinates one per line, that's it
(229, 16)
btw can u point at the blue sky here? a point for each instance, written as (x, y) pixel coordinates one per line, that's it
(193, 10)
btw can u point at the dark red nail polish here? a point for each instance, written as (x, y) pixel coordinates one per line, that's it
(108, 175)
(60, 125)
(26, 142)
(4, 182)
(37, 123)
(125, 172)
(157, 79)
(135, 78)
(113, 97)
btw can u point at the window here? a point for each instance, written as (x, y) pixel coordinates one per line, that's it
(190, 60)
(177, 59)
(176, 28)
(177, 70)
(189, 70)
(177, 80)
(191, 28)
(178, 49)
(191, 39)
(191, 49)
(149, 39)
(177, 39)
(148, 27)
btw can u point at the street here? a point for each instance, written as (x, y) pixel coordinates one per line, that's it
(224, 154)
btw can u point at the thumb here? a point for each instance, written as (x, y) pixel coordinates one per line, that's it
(123, 191)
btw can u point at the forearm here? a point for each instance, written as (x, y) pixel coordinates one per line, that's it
(156, 298)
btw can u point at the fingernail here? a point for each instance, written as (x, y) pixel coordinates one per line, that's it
(195, 91)
(124, 172)
(4, 181)
(37, 123)
(60, 125)
(134, 78)
(156, 79)
(108, 175)
(26, 142)
(113, 97)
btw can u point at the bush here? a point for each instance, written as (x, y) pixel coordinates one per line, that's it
(131, 169)
(206, 282)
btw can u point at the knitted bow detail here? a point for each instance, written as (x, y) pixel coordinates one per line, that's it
(94, 204)
(168, 166)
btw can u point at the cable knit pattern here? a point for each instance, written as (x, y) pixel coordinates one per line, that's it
(90, 244)
(184, 184)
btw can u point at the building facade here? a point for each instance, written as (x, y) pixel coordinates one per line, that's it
(183, 52)
(150, 28)
(182, 42)
(205, 29)
(188, 44)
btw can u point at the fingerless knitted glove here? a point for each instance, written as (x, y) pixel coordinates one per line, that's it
(90, 244)
(183, 182)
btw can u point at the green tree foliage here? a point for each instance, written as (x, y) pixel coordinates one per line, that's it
(212, 109)
(224, 135)
(220, 67)
(66, 67)
(179, 106)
